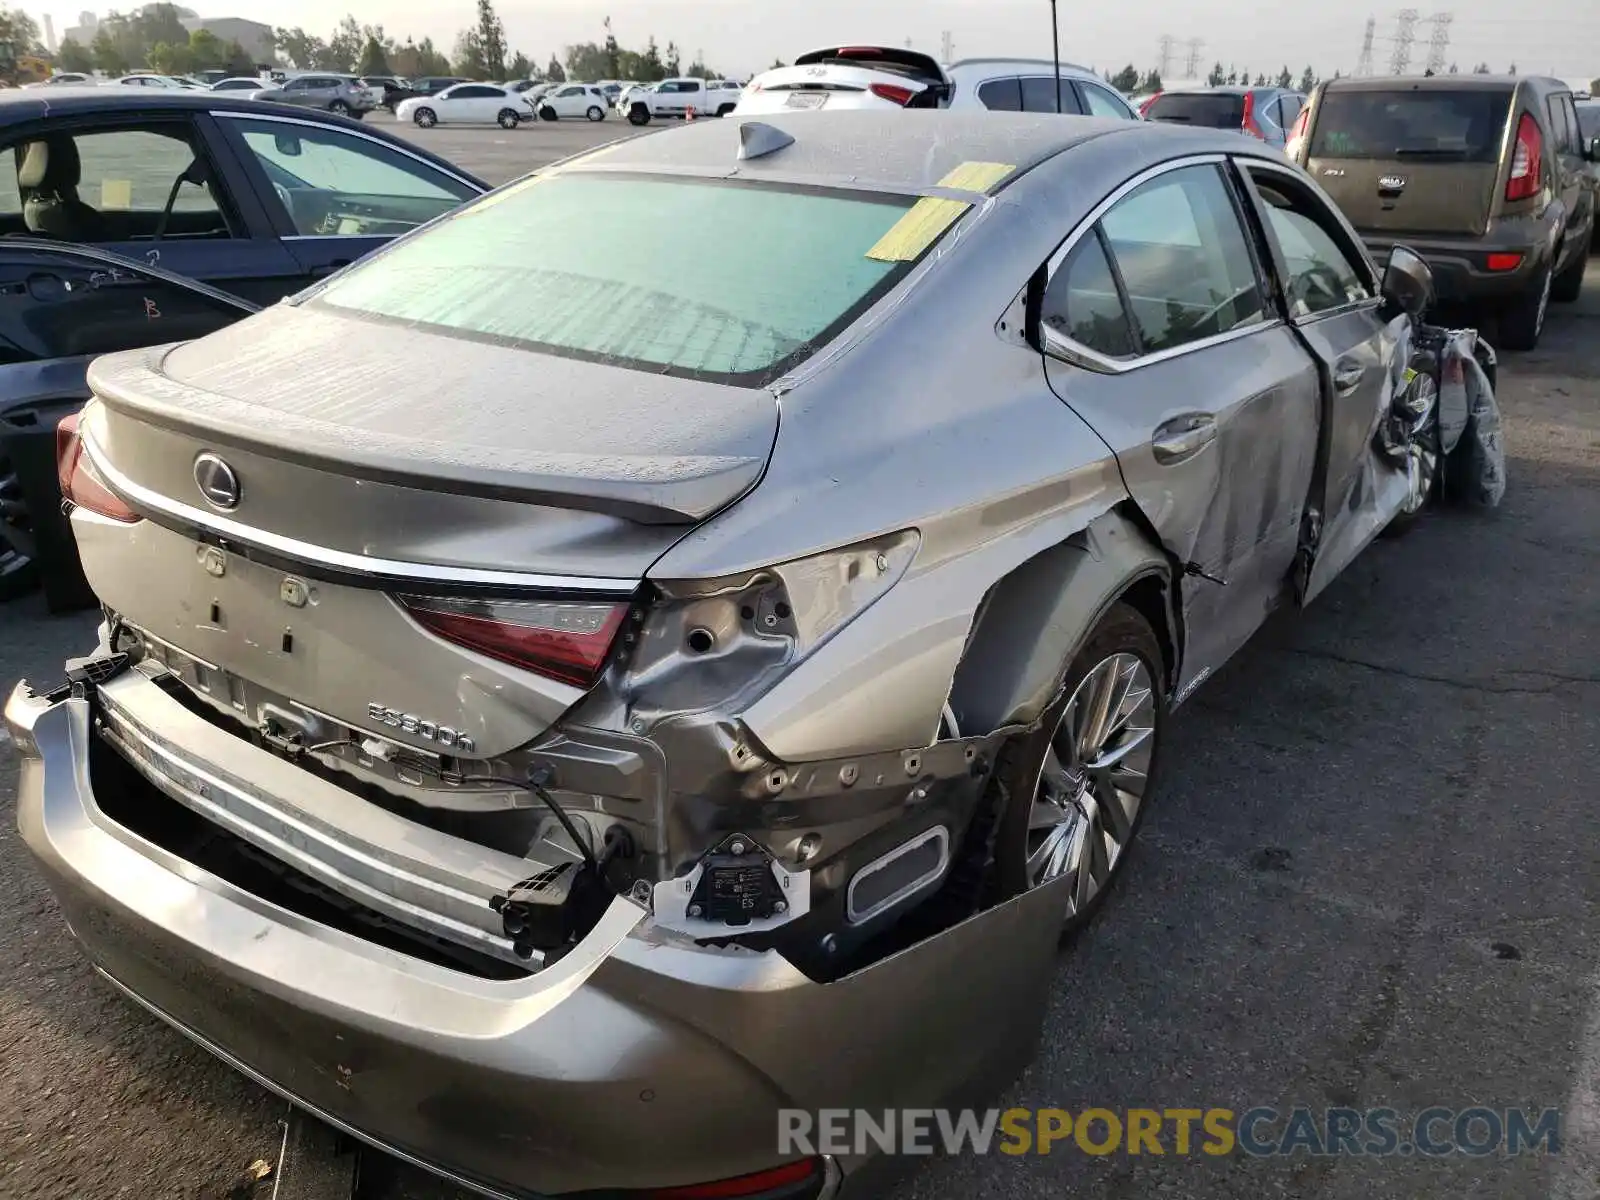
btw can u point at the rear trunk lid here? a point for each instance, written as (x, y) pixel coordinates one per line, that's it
(850, 76)
(1410, 159)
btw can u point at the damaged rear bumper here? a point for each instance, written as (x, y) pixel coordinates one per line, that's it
(637, 1060)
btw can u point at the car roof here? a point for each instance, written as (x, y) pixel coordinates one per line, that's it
(899, 150)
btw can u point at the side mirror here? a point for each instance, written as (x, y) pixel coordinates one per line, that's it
(1408, 282)
(1591, 151)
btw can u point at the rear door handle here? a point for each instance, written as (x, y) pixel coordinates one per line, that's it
(1182, 438)
(1347, 376)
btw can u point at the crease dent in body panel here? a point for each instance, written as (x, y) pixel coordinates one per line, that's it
(932, 215)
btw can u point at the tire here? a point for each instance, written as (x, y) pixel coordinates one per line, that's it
(339, 108)
(638, 115)
(1424, 461)
(1523, 322)
(1565, 287)
(425, 118)
(1122, 648)
(596, 113)
(725, 110)
(507, 119)
(548, 114)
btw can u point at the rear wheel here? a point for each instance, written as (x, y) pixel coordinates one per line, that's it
(1423, 456)
(638, 115)
(425, 117)
(548, 114)
(339, 108)
(725, 110)
(1523, 322)
(507, 119)
(1564, 289)
(596, 113)
(1080, 785)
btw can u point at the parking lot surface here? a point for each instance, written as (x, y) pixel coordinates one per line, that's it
(498, 155)
(1370, 880)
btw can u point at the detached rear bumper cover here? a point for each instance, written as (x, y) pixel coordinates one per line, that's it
(635, 1061)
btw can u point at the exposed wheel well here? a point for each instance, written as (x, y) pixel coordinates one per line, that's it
(1150, 597)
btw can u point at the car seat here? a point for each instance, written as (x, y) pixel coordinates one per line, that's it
(48, 172)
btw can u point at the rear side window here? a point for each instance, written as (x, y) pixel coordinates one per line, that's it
(1445, 126)
(1082, 302)
(755, 277)
(1001, 95)
(1101, 102)
(1184, 259)
(1039, 95)
(1212, 110)
(1563, 130)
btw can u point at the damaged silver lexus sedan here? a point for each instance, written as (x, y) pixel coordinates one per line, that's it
(545, 740)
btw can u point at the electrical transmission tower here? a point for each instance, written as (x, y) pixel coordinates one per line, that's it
(1364, 64)
(1168, 44)
(1405, 33)
(1191, 64)
(1439, 42)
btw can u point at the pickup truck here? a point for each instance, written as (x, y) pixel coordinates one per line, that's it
(675, 97)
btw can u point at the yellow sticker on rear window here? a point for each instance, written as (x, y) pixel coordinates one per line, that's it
(116, 193)
(977, 176)
(932, 215)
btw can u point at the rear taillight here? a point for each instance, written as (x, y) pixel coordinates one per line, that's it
(1298, 129)
(79, 483)
(1249, 123)
(563, 640)
(1504, 261)
(1144, 109)
(1527, 161)
(785, 1181)
(893, 92)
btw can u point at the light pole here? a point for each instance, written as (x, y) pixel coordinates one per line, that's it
(1055, 47)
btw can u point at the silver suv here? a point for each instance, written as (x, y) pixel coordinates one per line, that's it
(342, 94)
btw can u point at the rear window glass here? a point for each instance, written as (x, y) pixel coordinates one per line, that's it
(1464, 126)
(1210, 110)
(1589, 120)
(700, 278)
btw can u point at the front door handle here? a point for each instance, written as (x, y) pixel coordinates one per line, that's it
(1347, 376)
(1183, 437)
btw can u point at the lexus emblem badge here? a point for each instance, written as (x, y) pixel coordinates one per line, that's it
(217, 482)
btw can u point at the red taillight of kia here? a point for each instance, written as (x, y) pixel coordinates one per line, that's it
(1144, 109)
(1249, 123)
(893, 92)
(1527, 161)
(785, 1181)
(560, 639)
(79, 483)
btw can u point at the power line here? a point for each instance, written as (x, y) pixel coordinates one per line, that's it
(1364, 63)
(1405, 33)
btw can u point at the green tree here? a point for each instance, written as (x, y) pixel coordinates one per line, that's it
(169, 59)
(1218, 76)
(553, 71)
(613, 65)
(18, 28)
(1512, 69)
(343, 49)
(777, 65)
(1151, 82)
(374, 59)
(698, 70)
(673, 65)
(651, 67)
(1308, 79)
(467, 61)
(586, 62)
(1285, 80)
(520, 67)
(1233, 77)
(491, 40)
(1243, 80)
(108, 54)
(206, 51)
(301, 49)
(1127, 79)
(154, 24)
(1481, 69)
(74, 56)
(238, 60)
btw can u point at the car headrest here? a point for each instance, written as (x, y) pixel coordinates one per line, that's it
(49, 165)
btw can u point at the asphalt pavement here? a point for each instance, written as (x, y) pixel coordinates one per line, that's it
(1369, 881)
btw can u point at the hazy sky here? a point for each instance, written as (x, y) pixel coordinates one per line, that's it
(742, 36)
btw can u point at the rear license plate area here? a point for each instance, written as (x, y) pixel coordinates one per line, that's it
(806, 100)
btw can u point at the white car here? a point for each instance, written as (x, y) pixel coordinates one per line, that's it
(677, 98)
(240, 83)
(574, 100)
(160, 81)
(467, 104)
(890, 77)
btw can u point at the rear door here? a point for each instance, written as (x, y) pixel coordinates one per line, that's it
(1333, 303)
(59, 307)
(1161, 334)
(1411, 159)
(1571, 171)
(334, 195)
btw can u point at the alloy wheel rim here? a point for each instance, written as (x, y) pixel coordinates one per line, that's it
(1422, 455)
(1093, 780)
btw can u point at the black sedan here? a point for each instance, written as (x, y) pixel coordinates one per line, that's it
(256, 199)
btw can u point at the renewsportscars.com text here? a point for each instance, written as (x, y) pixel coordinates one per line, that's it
(1258, 1132)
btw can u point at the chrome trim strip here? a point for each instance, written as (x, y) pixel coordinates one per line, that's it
(234, 115)
(141, 497)
(1063, 347)
(283, 1093)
